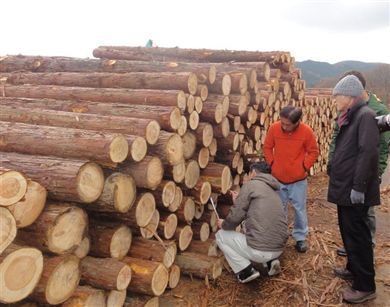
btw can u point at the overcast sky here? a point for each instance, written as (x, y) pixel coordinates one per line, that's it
(329, 31)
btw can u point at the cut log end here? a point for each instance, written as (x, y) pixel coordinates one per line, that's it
(175, 118)
(13, 186)
(208, 134)
(226, 84)
(7, 228)
(159, 280)
(204, 232)
(212, 74)
(213, 147)
(181, 101)
(150, 229)
(20, 272)
(124, 192)
(189, 143)
(194, 120)
(90, 182)
(68, 231)
(124, 278)
(174, 149)
(179, 171)
(174, 276)
(120, 242)
(170, 255)
(170, 226)
(203, 157)
(63, 281)
(87, 297)
(83, 249)
(116, 298)
(185, 237)
(192, 83)
(119, 149)
(183, 126)
(146, 207)
(192, 174)
(154, 173)
(218, 114)
(152, 132)
(138, 149)
(226, 178)
(177, 200)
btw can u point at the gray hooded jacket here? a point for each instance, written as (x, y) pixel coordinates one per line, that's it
(259, 205)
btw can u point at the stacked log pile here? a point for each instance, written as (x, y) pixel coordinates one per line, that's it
(130, 147)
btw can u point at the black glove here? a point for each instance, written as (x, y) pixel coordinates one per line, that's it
(383, 122)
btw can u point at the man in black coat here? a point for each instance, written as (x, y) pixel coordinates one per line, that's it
(354, 185)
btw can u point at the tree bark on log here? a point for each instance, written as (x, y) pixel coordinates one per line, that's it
(219, 177)
(148, 277)
(27, 210)
(208, 247)
(59, 229)
(164, 252)
(105, 273)
(85, 296)
(60, 278)
(109, 239)
(185, 81)
(201, 192)
(199, 265)
(201, 231)
(13, 186)
(63, 142)
(20, 270)
(222, 84)
(70, 180)
(169, 148)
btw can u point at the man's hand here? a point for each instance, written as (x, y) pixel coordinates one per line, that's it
(234, 194)
(219, 223)
(357, 197)
(383, 121)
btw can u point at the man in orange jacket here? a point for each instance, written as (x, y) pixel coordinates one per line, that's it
(291, 149)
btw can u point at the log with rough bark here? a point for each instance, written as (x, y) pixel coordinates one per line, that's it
(199, 265)
(109, 239)
(183, 235)
(167, 225)
(176, 172)
(119, 194)
(204, 134)
(68, 64)
(201, 231)
(148, 277)
(150, 230)
(85, 296)
(60, 278)
(208, 247)
(230, 143)
(20, 270)
(219, 99)
(147, 174)
(167, 116)
(202, 155)
(186, 81)
(183, 126)
(63, 142)
(189, 55)
(116, 298)
(27, 210)
(59, 229)
(189, 144)
(212, 112)
(13, 186)
(176, 200)
(137, 300)
(164, 193)
(222, 84)
(70, 180)
(105, 273)
(201, 192)
(152, 250)
(222, 130)
(169, 148)
(186, 211)
(83, 249)
(219, 176)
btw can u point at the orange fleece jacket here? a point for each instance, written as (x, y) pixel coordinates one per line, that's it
(291, 154)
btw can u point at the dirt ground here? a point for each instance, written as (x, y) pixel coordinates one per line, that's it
(306, 279)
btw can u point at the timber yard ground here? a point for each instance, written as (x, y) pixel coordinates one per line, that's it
(306, 279)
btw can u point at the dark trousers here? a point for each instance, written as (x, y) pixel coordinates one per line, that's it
(358, 244)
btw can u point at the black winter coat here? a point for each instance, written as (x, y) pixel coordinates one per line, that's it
(355, 160)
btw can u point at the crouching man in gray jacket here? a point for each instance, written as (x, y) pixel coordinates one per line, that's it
(258, 205)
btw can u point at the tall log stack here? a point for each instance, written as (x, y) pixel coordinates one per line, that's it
(130, 147)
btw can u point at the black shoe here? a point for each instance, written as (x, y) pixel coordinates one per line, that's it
(273, 267)
(343, 273)
(248, 274)
(356, 297)
(341, 252)
(301, 246)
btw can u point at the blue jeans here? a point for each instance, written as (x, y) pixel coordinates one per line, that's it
(296, 194)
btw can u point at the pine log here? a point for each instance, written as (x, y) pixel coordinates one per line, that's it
(59, 229)
(174, 276)
(71, 180)
(137, 300)
(147, 173)
(20, 270)
(27, 210)
(164, 193)
(213, 147)
(189, 144)
(222, 130)
(199, 209)
(167, 225)
(150, 230)
(119, 194)
(262, 68)
(204, 134)
(60, 278)
(190, 55)
(208, 247)
(63, 142)
(219, 177)
(183, 126)
(186, 81)
(192, 174)
(169, 148)
(152, 250)
(183, 235)
(220, 99)
(85, 296)
(202, 91)
(116, 298)
(230, 143)
(193, 120)
(222, 84)
(186, 211)
(176, 172)
(202, 155)
(212, 112)
(167, 116)
(199, 265)
(109, 239)
(105, 273)
(148, 277)
(198, 104)
(201, 231)
(13, 186)
(83, 249)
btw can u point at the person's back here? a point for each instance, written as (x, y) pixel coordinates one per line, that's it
(265, 219)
